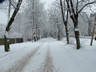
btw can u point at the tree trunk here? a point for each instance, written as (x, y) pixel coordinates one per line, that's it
(6, 41)
(77, 34)
(67, 34)
(77, 39)
(65, 21)
(6, 44)
(59, 35)
(76, 30)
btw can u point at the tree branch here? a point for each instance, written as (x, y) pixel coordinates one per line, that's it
(13, 5)
(86, 5)
(14, 14)
(62, 12)
(77, 6)
(72, 7)
(68, 6)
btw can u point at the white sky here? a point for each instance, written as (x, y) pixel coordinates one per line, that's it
(47, 3)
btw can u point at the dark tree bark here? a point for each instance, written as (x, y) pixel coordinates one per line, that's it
(65, 21)
(6, 44)
(74, 17)
(67, 32)
(13, 15)
(58, 36)
(6, 41)
(77, 33)
(59, 30)
(59, 33)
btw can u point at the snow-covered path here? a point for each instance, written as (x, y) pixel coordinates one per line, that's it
(48, 55)
(21, 63)
(48, 63)
(15, 60)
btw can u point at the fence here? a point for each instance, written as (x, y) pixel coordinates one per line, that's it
(11, 40)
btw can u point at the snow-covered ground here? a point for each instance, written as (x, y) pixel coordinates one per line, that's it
(49, 55)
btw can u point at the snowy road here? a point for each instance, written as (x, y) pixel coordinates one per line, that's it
(48, 55)
(21, 63)
(48, 63)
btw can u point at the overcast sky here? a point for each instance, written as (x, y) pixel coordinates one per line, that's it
(47, 2)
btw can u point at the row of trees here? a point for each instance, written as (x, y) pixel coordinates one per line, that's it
(74, 14)
(32, 21)
(27, 23)
(35, 19)
(71, 12)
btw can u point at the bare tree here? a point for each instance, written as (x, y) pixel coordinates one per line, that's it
(74, 12)
(65, 19)
(11, 20)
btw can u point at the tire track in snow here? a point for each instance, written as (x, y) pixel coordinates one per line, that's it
(48, 67)
(18, 67)
(48, 64)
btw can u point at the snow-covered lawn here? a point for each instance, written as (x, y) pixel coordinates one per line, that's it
(49, 55)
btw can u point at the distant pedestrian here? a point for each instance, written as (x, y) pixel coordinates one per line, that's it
(95, 37)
